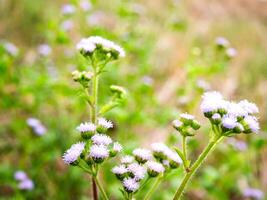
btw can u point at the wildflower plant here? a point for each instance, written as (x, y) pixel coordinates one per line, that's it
(136, 171)
(95, 146)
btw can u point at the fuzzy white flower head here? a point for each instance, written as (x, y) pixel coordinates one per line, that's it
(117, 147)
(20, 175)
(73, 153)
(85, 5)
(130, 185)
(216, 116)
(107, 44)
(44, 49)
(11, 48)
(68, 9)
(86, 127)
(252, 123)
(86, 46)
(173, 156)
(127, 159)
(159, 147)
(39, 130)
(67, 25)
(142, 154)
(99, 152)
(121, 169)
(212, 101)
(187, 116)
(236, 110)
(26, 184)
(137, 170)
(105, 123)
(251, 108)
(229, 121)
(101, 139)
(155, 166)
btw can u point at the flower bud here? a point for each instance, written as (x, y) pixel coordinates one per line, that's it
(187, 119)
(195, 125)
(115, 149)
(120, 91)
(216, 119)
(238, 128)
(178, 125)
(121, 172)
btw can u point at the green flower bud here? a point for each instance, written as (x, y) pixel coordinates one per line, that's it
(120, 91)
(187, 119)
(195, 125)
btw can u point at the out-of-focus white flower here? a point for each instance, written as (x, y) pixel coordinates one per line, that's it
(86, 127)
(99, 152)
(68, 9)
(130, 185)
(36, 125)
(187, 116)
(142, 155)
(67, 25)
(137, 170)
(250, 108)
(11, 48)
(202, 84)
(147, 80)
(253, 193)
(20, 175)
(44, 49)
(73, 153)
(85, 5)
(26, 184)
(117, 147)
(127, 159)
(222, 42)
(173, 156)
(101, 139)
(231, 52)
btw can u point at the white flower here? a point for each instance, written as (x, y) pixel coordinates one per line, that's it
(121, 169)
(155, 166)
(173, 156)
(67, 25)
(86, 127)
(142, 154)
(127, 159)
(86, 46)
(236, 110)
(73, 153)
(99, 152)
(101, 139)
(221, 41)
(229, 122)
(231, 52)
(212, 95)
(26, 184)
(32, 122)
(68, 9)
(216, 116)
(85, 5)
(252, 123)
(89, 45)
(187, 116)
(117, 147)
(40, 130)
(212, 101)
(44, 49)
(20, 175)
(105, 123)
(177, 124)
(11, 48)
(204, 85)
(137, 170)
(159, 147)
(130, 185)
(249, 107)
(37, 127)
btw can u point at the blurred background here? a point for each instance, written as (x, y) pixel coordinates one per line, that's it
(173, 56)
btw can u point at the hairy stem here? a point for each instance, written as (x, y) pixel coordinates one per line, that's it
(154, 187)
(104, 195)
(195, 166)
(94, 118)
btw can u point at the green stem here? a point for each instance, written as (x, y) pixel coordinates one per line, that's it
(195, 166)
(185, 153)
(104, 195)
(153, 188)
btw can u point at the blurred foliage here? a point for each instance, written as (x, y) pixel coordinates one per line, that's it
(171, 59)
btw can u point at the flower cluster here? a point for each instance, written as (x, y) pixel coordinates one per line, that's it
(223, 44)
(185, 124)
(230, 117)
(99, 146)
(145, 163)
(36, 125)
(104, 47)
(25, 183)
